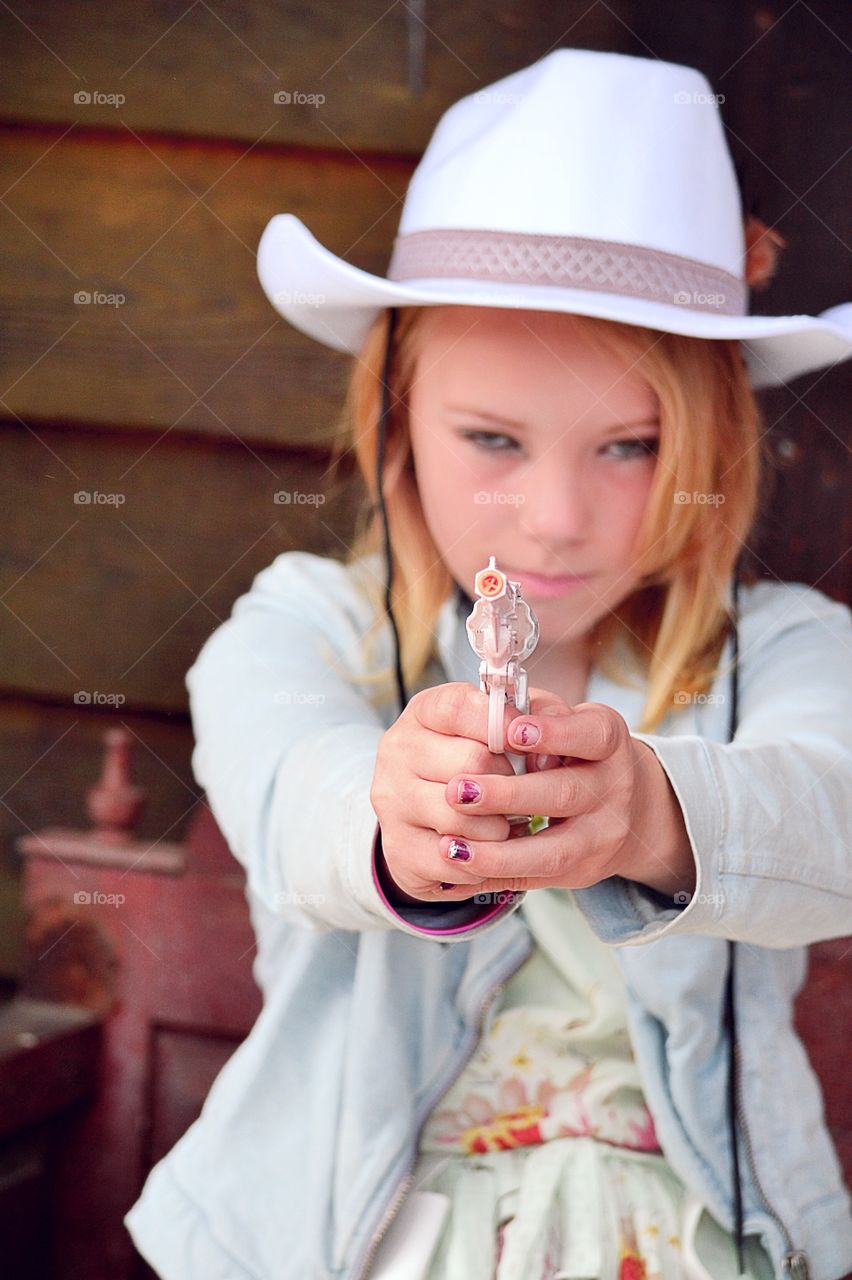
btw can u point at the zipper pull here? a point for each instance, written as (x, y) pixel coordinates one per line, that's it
(796, 1264)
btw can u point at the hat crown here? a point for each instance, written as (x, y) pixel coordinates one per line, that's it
(583, 144)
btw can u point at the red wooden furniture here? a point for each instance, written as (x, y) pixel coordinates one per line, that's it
(158, 939)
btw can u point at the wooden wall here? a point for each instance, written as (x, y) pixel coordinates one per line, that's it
(142, 155)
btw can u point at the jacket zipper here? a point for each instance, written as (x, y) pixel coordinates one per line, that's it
(795, 1260)
(403, 1187)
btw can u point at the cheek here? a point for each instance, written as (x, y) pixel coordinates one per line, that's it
(445, 488)
(628, 504)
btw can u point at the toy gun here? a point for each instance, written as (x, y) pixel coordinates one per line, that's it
(503, 630)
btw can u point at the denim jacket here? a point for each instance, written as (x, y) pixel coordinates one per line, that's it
(304, 1149)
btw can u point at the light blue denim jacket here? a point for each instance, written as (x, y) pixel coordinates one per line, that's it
(302, 1153)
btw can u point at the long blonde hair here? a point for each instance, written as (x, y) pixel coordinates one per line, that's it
(670, 631)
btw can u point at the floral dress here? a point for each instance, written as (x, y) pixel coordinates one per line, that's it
(545, 1145)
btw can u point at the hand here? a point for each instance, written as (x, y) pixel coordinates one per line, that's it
(611, 807)
(442, 732)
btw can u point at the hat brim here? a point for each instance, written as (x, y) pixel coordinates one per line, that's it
(335, 303)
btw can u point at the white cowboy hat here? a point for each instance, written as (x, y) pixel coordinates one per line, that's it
(594, 183)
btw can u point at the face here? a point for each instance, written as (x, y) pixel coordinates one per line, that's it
(532, 446)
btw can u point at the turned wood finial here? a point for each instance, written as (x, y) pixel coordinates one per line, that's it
(114, 804)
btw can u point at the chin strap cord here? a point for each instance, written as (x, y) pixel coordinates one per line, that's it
(730, 1017)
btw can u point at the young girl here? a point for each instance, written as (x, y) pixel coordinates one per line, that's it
(486, 1052)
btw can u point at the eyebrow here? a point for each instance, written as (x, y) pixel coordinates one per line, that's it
(652, 419)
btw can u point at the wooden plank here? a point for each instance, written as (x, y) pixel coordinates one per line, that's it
(195, 345)
(196, 70)
(108, 601)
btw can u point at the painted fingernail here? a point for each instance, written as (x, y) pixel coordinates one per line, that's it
(525, 734)
(468, 792)
(447, 886)
(459, 850)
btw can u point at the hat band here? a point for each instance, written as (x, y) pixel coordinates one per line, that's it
(573, 262)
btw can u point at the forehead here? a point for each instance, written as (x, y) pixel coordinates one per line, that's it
(503, 357)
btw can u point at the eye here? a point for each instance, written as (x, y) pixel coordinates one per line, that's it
(487, 440)
(635, 448)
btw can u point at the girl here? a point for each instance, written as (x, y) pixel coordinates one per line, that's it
(487, 1053)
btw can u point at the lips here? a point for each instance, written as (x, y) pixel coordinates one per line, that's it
(542, 575)
(538, 585)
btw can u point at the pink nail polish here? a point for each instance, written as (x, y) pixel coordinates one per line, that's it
(468, 792)
(459, 850)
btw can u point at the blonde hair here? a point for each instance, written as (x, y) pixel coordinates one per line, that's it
(670, 631)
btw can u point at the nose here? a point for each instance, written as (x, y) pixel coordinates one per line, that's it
(558, 504)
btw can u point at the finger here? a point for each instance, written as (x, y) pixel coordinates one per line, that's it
(589, 731)
(461, 710)
(543, 859)
(541, 763)
(437, 758)
(543, 702)
(559, 793)
(435, 814)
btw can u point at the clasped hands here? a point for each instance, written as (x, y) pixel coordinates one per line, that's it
(610, 805)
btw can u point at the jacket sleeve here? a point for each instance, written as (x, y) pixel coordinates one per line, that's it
(769, 815)
(285, 749)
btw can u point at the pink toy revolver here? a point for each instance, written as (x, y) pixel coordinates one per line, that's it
(502, 630)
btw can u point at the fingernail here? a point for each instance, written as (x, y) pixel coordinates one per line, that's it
(468, 792)
(459, 850)
(525, 735)
(447, 886)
